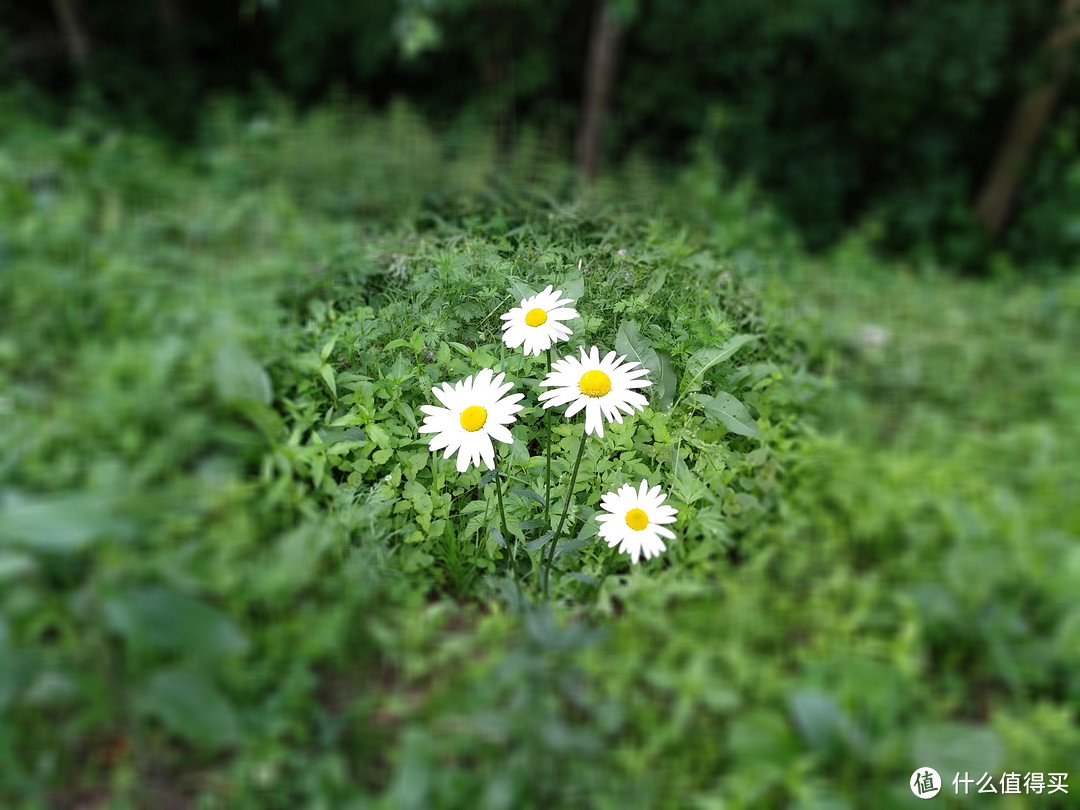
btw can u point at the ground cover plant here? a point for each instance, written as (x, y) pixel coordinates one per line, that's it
(235, 575)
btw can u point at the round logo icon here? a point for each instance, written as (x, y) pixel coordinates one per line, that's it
(925, 783)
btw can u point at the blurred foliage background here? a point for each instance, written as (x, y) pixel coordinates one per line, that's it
(843, 111)
(239, 241)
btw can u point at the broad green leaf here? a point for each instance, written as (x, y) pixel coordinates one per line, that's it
(630, 342)
(957, 747)
(667, 384)
(519, 291)
(585, 579)
(525, 492)
(731, 413)
(14, 564)
(656, 282)
(413, 489)
(573, 287)
(324, 353)
(423, 504)
(539, 542)
(334, 435)
(822, 723)
(190, 706)
(378, 434)
(519, 451)
(589, 527)
(238, 377)
(761, 736)
(165, 619)
(59, 523)
(569, 546)
(327, 374)
(704, 359)
(713, 525)
(264, 417)
(498, 536)
(688, 487)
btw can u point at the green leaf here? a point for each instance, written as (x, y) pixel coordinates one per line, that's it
(727, 410)
(957, 747)
(704, 359)
(190, 706)
(667, 384)
(589, 527)
(539, 542)
(573, 287)
(379, 435)
(59, 523)
(335, 435)
(498, 535)
(161, 618)
(14, 564)
(656, 282)
(713, 525)
(238, 377)
(630, 342)
(519, 451)
(688, 487)
(525, 492)
(568, 546)
(822, 723)
(327, 374)
(585, 579)
(423, 504)
(519, 291)
(761, 736)
(327, 348)
(263, 417)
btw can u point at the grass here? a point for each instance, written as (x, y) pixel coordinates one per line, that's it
(233, 575)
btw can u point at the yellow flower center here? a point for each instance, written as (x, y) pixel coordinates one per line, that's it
(536, 317)
(637, 520)
(473, 418)
(594, 383)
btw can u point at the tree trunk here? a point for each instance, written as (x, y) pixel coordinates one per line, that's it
(76, 39)
(599, 78)
(1029, 120)
(498, 73)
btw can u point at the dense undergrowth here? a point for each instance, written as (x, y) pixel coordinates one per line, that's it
(234, 576)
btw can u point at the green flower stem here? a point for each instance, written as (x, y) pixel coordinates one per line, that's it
(547, 471)
(610, 561)
(565, 511)
(499, 490)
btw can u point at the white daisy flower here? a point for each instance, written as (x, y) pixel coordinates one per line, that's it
(476, 412)
(601, 387)
(633, 520)
(538, 321)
